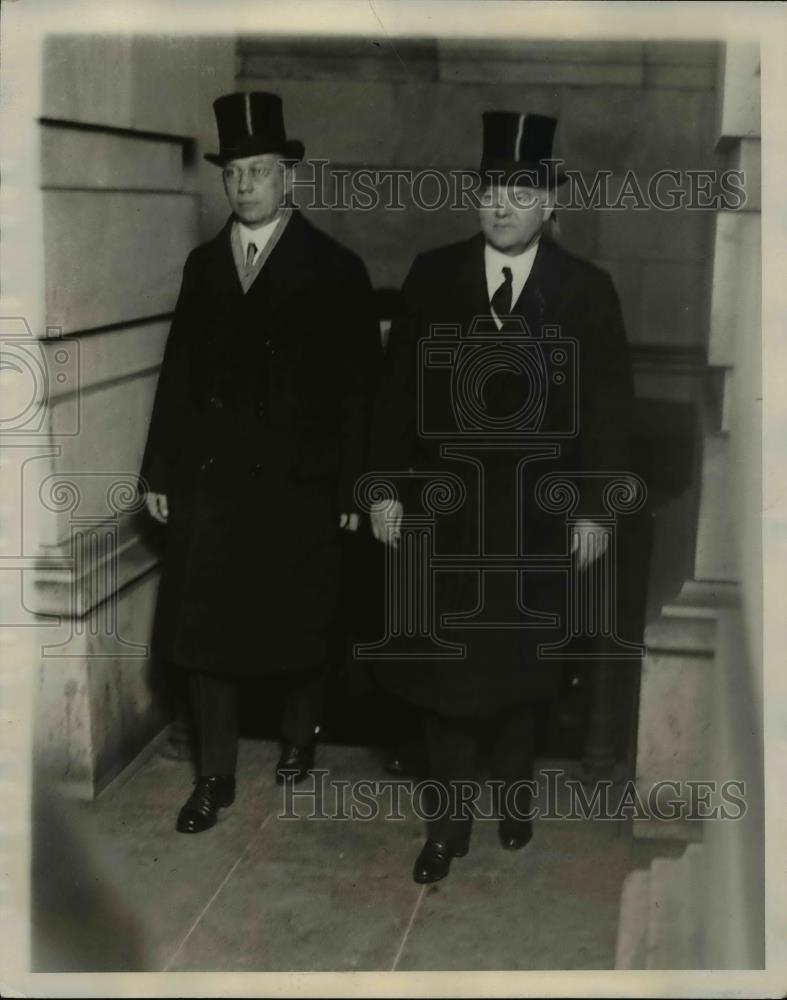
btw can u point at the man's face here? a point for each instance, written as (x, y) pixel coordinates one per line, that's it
(256, 186)
(512, 217)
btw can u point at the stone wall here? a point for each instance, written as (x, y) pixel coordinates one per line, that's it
(621, 107)
(701, 704)
(124, 196)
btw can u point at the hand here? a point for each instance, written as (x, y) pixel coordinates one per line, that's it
(386, 518)
(349, 522)
(590, 540)
(157, 506)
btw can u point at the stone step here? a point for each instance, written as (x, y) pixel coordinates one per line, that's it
(702, 599)
(664, 937)
(693, 880)
(681, 634)
(631, 950)
(661, 914)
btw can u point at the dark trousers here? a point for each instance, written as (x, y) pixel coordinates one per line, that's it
(214, 700)
(452, 747)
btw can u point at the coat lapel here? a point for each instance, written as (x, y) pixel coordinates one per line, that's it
(247, 278)
(220, 271)
(536, 301)
(471, 281)
(287, 269)
(278, 277)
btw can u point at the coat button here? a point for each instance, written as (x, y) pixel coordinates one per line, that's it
(260, 409)
(207, 463)
(257, 469)
(216, 402)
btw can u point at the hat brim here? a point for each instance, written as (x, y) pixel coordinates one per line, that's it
(529, 175)
(291, 149)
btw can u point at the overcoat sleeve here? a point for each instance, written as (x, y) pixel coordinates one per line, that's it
(171, 403)
(606, 384)
(395, 420)
(359, 333)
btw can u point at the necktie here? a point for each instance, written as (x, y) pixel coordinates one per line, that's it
(501, 300)
(251, 253)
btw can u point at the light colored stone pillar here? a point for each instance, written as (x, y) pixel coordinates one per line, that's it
(701, 697)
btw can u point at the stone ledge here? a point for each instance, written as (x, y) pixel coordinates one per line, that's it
(55, 588)
(681, 635)
(703, 599)
(109, 355)
(99, 696)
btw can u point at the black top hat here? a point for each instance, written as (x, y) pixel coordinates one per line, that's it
(517, 147)
(251, 124)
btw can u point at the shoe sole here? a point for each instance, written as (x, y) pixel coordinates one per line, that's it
(202, 829)
(428, 881)
(515, 847)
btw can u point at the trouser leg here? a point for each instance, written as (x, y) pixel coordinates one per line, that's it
(513, 753)
(215, 704)
(302, 708)
(404, 738)
(451, 746)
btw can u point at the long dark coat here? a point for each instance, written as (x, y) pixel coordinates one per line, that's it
(448, 287)
(257, 435)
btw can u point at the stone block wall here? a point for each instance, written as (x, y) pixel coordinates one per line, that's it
(124, 196)
(622, 106)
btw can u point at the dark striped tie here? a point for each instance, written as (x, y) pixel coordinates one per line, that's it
(251, 253)
(501, 300)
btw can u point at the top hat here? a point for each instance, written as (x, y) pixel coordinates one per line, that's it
(518, 148)
(251, 124)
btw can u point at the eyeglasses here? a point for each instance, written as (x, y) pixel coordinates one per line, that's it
(258, 173)
(515, 197)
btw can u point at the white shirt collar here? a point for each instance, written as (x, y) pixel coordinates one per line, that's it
(259, 237)
(521, 266)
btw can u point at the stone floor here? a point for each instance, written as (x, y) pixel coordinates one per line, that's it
(264, 893)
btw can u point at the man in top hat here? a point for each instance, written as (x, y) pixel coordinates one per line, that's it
(257, 436)
(497, 407)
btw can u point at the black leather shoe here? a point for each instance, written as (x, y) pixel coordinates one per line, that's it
(294, 764)
(515, 835)
(434, 861)
(202, 807)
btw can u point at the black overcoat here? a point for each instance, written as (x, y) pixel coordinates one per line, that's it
(257, 435)
(563, 296)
